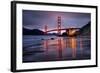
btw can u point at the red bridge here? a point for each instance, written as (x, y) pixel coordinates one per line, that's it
(69, 31)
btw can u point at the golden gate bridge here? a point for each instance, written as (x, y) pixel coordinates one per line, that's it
(70, 31)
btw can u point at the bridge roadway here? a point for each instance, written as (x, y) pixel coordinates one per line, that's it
(67, 29)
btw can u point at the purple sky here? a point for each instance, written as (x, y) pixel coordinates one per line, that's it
(37, 19)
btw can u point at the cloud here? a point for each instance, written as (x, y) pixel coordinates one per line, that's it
(37, 19)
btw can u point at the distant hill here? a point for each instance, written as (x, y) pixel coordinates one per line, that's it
(32, 32)
(26, 31)
(86, 30)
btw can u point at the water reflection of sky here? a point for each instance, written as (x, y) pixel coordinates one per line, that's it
(37, 19)
(61, 48)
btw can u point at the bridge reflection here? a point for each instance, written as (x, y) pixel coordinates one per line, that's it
(60, 44)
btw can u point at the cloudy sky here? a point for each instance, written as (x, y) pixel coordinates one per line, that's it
(37, 19)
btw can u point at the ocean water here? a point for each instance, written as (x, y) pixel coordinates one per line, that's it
(54, 48)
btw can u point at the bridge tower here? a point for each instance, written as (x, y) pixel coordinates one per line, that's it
(59, 25)
(45, 29)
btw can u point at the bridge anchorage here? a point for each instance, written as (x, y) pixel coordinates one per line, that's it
(69, 31)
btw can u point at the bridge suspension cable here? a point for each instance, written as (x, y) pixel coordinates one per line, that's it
(45, 29)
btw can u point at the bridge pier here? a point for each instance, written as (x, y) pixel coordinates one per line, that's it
(71, 32)
(67, 32)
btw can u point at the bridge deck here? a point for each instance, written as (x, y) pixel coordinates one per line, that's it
(63, 29)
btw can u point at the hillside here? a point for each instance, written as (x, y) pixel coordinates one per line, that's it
(32, 32)
(86, 30)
